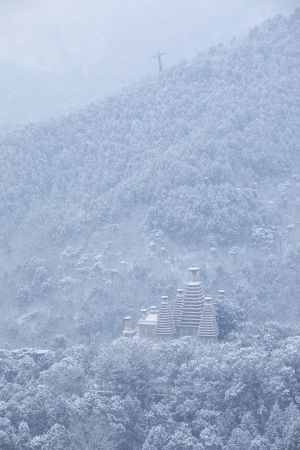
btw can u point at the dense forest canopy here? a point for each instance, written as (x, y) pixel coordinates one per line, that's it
(132, 394)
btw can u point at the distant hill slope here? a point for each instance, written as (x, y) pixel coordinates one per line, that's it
(86, 55)
(197, 153)
(189, 145)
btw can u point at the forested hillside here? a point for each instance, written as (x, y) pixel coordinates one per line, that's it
(102, 209)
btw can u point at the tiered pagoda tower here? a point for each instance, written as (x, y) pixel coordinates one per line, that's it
(208, 328)
(178, 307)
(165, 324)
(192, 306)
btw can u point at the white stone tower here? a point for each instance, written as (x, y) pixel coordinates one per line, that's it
(192, 305)
(165, 324)
(208, 328)
(178, 307)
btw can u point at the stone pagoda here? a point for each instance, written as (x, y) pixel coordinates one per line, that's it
(193, 315)
(193, 300)
(178, 307)
(208, 328)
(165, 328)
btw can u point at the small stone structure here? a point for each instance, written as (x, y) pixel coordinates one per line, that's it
(127, 330)
(148, 323)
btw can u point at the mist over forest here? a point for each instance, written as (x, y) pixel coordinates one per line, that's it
(58, 56)
(104, 208)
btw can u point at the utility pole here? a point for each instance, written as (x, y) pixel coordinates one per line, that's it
(158, 56)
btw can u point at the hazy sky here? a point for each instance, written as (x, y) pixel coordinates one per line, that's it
(94, 47)
(60, 33)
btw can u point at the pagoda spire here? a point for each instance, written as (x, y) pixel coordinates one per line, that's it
(208, 328)
(192, 305)
(165, 324)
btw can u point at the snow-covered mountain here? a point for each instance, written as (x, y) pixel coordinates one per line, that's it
(106, 207)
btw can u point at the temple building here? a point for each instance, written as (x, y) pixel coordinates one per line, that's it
(192, 315)
(148, 323)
